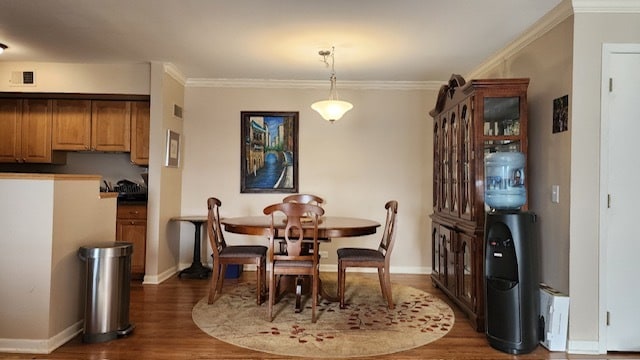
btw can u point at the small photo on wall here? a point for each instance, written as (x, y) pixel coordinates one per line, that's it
(561, 114)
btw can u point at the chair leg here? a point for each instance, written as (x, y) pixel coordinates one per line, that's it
(314, 293)
(262, 281)
(258, 282)
(385, 285)
(272, 290)
(341, 281)
(221, 276)
(214, 283)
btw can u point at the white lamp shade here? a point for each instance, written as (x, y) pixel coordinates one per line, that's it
(331, 110)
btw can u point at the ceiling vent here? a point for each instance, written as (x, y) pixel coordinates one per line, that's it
(177, 111)
(23, 78)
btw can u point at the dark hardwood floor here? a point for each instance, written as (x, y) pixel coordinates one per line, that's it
(165, 330)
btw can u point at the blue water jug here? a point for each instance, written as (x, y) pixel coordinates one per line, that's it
(504, 180)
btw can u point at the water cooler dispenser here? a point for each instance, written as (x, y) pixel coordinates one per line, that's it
(511, 258)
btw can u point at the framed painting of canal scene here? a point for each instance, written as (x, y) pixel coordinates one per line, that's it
(269, 152)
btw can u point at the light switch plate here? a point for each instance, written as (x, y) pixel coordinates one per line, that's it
(555, 194)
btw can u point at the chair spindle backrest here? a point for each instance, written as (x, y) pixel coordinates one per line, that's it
(304, 199)
(294, 227)
(216, 238)
(389, 233)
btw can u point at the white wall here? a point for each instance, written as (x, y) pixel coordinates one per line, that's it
(79, 78)
(591, 31)
(165, 183)
(44, 221)
(380, 150)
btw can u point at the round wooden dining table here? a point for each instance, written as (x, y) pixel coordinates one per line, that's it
(328, 227)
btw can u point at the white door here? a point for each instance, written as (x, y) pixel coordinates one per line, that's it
(621, 213)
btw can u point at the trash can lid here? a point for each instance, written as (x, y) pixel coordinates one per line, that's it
(106, 249)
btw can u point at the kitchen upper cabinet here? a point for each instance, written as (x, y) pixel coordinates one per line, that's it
(71, 125)
(111, 125)
(140, 126)
(25, 131)
(102, 125)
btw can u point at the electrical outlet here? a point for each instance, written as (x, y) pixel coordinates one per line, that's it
(324, 254)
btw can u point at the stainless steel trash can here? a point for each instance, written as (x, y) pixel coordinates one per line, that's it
(108, 273)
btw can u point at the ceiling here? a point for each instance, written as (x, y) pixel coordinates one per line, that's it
(375, 40)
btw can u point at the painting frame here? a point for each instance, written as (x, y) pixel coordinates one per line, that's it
(269, 151)
(560, 114)
(172, 157)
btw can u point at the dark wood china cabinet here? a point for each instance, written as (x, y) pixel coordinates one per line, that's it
(471, 119)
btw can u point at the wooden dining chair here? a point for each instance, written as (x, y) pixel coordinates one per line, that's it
(224, 255)
(294, 262)
(304, 199)
(379, 258)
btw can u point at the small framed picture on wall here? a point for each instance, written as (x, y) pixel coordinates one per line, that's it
(172, 158)
(561, 114)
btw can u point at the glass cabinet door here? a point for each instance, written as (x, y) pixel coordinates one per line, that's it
(437, 182)
(445, 168)
(455, 164)
(466, 158)
(501, 124)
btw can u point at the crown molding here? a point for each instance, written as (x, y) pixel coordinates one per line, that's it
(174, 72)
(313, 84)
(606, 6)
(564, 10)
(535, 31)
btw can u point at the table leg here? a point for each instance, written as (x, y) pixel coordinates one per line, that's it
(196, 270)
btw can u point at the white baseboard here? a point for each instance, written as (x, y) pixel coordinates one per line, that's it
(583, 347)
(157, 279)
(41, 346)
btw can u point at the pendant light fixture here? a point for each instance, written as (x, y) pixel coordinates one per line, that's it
(332, 109)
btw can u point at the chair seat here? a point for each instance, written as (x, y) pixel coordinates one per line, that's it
(360, 254)
(237, 251)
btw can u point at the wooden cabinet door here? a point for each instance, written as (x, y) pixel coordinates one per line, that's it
(36, 131)
(449, 257)
(111, 125)
(140, 125)
(10, 114)
(135, 232)
(71, 125)
(131, 226)
(437, 254)
(467, 270)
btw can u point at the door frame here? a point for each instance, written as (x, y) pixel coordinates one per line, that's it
(608, 50)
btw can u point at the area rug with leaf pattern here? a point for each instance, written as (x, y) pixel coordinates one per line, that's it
(366, 327)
